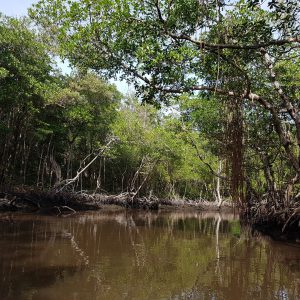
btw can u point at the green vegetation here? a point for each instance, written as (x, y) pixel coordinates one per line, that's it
(230, 69)
(52, 126)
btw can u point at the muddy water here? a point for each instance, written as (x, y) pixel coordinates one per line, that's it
(142, 256)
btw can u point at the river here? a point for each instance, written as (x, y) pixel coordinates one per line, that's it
(142, 255)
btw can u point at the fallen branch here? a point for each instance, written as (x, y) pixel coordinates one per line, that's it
(67, 182)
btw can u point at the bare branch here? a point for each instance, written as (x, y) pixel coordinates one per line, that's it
(159, 11)
(67, 182)
(204, 162)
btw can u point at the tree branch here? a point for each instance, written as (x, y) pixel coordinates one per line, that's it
(159, 12)
(291, 109)
(204, 162)
(205, 45)
(67, 182)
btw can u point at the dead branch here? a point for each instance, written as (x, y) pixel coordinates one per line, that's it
(67, 182)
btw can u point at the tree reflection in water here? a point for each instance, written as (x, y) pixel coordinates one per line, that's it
(143, 255)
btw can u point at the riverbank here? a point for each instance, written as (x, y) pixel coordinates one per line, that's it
(69, 202)
(280, 223)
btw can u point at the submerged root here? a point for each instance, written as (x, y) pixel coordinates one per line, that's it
(269, 215)
(46, 202)
(69, 202)
(129, 200)
(62, 203)
(295, 213)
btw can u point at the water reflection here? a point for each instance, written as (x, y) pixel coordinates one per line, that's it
(136, 255)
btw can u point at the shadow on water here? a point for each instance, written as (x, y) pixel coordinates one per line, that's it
(143, 255)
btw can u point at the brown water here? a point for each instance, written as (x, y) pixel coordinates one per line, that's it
(142, 256)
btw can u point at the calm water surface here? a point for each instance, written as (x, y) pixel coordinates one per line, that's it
(141, 256)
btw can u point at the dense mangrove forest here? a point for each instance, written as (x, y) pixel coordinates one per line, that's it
(212, 113)
(209, 121)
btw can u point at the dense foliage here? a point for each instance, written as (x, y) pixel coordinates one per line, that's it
(53, 126)
(229, 69)
(239, 56)
(25, 77)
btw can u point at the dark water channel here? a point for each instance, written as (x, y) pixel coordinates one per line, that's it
(137, 255)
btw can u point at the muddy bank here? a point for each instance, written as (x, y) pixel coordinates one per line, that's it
(66, 202)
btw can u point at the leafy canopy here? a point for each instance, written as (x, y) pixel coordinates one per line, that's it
(163, 47)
